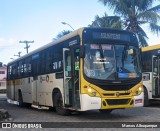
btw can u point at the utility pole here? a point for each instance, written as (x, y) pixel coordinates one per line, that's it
(26, 42)
(19, 54)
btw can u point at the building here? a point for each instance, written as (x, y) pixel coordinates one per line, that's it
(3, 75)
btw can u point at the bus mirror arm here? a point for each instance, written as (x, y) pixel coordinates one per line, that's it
(82, 51)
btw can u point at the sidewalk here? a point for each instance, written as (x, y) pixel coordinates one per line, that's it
(4, 115)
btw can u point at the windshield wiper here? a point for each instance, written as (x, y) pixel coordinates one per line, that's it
(102, 55)
(124, 55)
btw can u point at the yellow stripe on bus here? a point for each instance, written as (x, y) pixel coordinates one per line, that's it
(151, 48)
(17, 82)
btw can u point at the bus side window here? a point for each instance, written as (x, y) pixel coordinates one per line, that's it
(10, 72)
(48, 61)
(14, 71)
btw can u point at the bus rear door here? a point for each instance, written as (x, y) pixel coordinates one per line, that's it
(35, 82)
(71, 77)
(155, 76)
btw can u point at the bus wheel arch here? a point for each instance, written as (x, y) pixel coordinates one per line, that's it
(58, 102)
(20, 98)
(146, 97)
(54, 92)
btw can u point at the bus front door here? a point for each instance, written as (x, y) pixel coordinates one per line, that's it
(71, 77)
(155, 76)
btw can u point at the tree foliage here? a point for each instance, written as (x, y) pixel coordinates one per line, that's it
(134, 14)
(106, 21)
(64, 32)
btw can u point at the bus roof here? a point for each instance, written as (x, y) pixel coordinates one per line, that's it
(72, 34)
(153, 47)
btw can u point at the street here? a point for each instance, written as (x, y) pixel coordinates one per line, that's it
(76, 122)
(28, 114)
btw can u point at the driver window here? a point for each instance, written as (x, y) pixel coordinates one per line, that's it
(155, 70)
(76, 62)
(76, 59)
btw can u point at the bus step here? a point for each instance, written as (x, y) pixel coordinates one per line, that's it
(12, 102)
(40, 107)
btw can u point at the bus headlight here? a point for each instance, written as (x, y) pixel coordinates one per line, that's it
(89, 89)
(138, 91)
(92, 92)
(140, 88)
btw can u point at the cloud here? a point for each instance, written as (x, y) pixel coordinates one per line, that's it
(6, 42)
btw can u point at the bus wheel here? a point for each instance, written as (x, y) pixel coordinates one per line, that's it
(20, 99)
(146, 100)
(106, 111)
(59, 105)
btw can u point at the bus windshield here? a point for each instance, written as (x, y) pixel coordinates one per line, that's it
(111, 62)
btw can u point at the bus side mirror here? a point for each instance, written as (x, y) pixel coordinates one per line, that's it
(82, 51)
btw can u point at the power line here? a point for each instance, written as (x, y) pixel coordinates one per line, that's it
(12, 58)
(19, 54)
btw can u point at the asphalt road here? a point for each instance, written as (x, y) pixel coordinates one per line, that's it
(28, 114)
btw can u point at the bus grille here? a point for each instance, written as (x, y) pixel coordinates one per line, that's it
(113, 94)
(118, 101)
(116, 87)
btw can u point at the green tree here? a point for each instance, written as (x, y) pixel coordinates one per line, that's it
(106, 21)
(134, 14)
(62, 33)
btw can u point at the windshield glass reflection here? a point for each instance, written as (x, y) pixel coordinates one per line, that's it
(111, 62)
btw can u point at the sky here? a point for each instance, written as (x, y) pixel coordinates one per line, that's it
(40, 20)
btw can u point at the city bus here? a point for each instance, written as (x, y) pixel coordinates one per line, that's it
(88, 69)
(151, 73)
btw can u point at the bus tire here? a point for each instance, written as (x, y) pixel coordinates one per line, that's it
(105, 111)
(146, 100)
(20, 99)
(59, 104)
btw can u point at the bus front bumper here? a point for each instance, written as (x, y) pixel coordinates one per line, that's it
(91, 103)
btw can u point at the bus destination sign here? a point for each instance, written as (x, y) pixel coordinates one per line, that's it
(111, 36)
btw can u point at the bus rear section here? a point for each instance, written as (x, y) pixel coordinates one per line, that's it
(151, 73)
